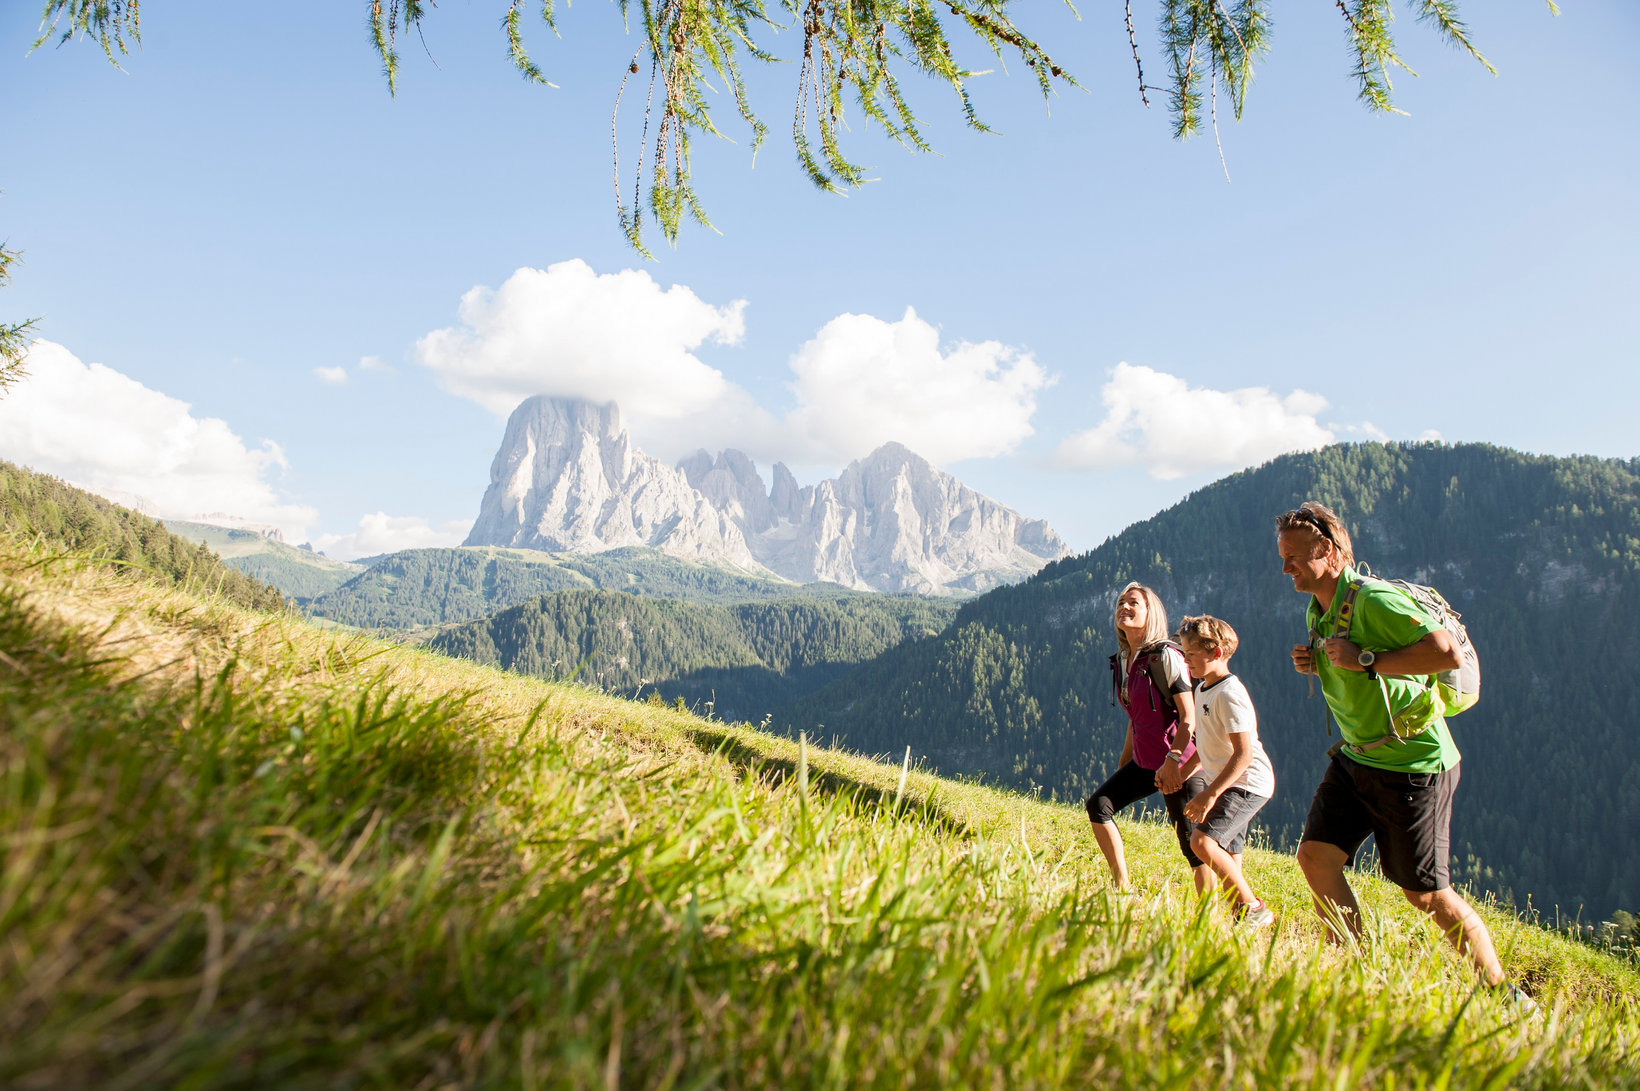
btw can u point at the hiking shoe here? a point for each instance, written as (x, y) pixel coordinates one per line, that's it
(1255, 916)
(1518, 999)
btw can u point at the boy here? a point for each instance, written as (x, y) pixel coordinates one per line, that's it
(1240, 779)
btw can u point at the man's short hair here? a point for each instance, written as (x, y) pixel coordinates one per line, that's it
(1321, 521)
(1209, 632)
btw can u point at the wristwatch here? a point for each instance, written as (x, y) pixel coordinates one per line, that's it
(1367, 659)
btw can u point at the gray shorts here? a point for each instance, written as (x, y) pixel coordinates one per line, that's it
(1227, 822)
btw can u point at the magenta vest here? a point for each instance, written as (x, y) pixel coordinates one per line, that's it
(1152, 713)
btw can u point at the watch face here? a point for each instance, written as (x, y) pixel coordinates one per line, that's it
(1366, 658)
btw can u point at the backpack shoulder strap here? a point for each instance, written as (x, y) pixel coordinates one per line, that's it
(1153, 666)
(1341, 628)
(1346, 612)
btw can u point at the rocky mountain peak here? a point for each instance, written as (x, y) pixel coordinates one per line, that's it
(568, 479)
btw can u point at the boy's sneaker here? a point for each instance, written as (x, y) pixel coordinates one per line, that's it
(1517, 998)
(1257, 915)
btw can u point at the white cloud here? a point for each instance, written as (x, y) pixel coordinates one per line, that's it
(858, 383)
(373, 363)
(106, 432)
(331, 374)
(383, 533)
(568, 331)
(862, 382)
(1162, 423)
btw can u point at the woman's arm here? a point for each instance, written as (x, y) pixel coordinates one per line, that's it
(1169, 777)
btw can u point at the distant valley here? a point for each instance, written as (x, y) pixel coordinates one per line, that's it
(417, 588)
(296, 572)
(735, 661)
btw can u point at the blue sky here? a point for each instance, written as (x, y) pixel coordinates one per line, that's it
(250, 264)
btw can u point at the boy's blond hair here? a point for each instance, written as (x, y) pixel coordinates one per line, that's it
(1209, 632)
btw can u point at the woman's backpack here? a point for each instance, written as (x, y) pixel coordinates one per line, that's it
(1150, 657)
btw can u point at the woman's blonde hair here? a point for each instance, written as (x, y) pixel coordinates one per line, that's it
(1155, 620)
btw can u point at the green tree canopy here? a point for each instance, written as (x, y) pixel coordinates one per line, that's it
(14, 337)
(853, 56)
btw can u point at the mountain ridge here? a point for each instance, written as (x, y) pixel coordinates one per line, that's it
(568, 479)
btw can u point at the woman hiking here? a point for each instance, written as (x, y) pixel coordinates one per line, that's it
(1159, 753)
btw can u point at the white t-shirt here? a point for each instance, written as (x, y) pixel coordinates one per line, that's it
(1225, 709)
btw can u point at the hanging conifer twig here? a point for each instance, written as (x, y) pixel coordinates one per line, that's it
(853, 56)
(15, 337)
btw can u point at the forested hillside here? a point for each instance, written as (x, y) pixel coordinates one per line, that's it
(746, 659)
(300, 573)
(421, 587)
(36, 507)
(1542, 556)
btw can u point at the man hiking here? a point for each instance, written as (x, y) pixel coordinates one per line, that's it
(1392, 780)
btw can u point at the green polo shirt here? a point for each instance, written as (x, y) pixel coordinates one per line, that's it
(1385, 619)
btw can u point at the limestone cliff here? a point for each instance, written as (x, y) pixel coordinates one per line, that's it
(568, 479)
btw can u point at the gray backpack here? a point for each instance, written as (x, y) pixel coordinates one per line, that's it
(1458, 689)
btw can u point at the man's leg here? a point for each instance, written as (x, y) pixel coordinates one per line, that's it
(1462, 927)
(1415, 854)
(1323, 866)
(1336, 826)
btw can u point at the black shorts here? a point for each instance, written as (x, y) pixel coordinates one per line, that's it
(1408, 814)
(1129, 784)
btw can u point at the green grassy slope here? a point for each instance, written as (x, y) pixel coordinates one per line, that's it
(239, 851)
(744, 659)
(299, 573)
(417, 588)
(57, 516)
(1542, 556)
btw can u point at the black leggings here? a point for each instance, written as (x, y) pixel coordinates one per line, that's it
(1129, 784)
